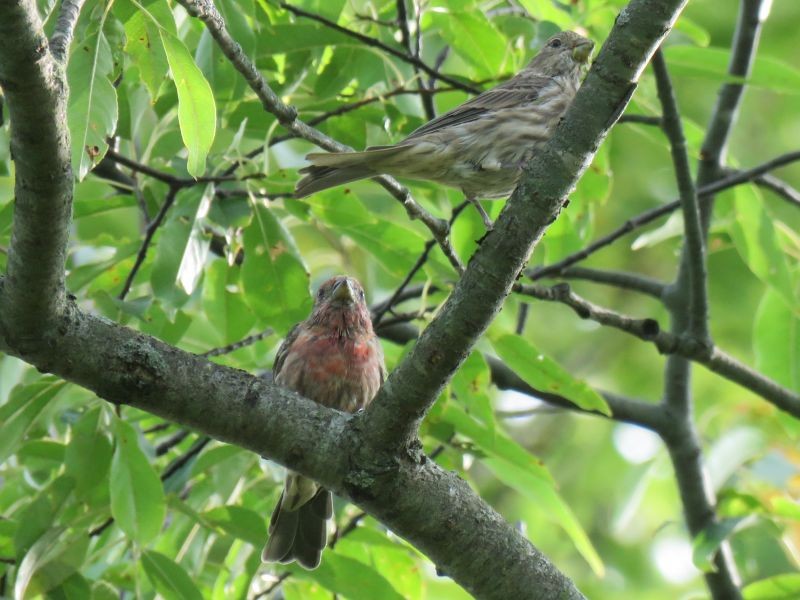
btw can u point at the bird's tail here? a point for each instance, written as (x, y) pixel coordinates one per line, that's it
(336, 168)
(299, 532)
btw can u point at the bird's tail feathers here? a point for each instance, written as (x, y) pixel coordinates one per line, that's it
(328, 170)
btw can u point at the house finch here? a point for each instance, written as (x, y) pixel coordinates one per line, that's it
(335, 359)
(480, 146)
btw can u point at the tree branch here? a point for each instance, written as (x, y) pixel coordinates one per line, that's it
(626, 281)
(704, 193)
(65, 28)
(668, 343)
(152, 227)
(625, 409)
(392, 419)
(694, 257)
(409, 493)
(405, 35)
(780, 187)
(372, 42)
(35, 90)
(287, 116)
(680, 435)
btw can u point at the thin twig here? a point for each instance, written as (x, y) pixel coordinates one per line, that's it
(694, 258)
(641, 120)
(287, 116)
(713, 358)
(405, 35)
(387, 306)
(780, 187)
(627, 281)
(150, 231)
(183, 459)
(373, 43)
(248, 341)
(172, 441)
(651, 215)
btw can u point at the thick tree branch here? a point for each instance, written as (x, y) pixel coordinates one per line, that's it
(35, 90)
(415, 384)
(409, 493)
(695, 254)
(65, 28)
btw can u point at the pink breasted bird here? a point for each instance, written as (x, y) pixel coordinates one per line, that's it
(335, 359)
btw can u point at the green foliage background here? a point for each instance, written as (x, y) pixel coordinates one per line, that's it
(153, 78)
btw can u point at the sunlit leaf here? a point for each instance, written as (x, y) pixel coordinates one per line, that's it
(777, 587)
(197, 112)
(543, 373)
(92, 109)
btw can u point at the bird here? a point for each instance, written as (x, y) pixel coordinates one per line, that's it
(480, 146)
(335, 359)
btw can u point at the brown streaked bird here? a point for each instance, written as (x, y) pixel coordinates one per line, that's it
(335, 359)
(479, 146)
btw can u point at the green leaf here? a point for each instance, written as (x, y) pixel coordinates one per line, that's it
(756, 241)
(178, 255)
(352, 579)
(143, 44)
(543, 373)
(223, 302)
(474, 38)
(518, 469)
(18, 414)
(776, 339)
(51, 561)
(547, 500)
(240, 522)
(778, 587)
(395, 247)
(137, 496)
(92, 107)
(274, 277)
(548, 11)
(706, 544)
(197, 112)
(89, 452)
(168, 577)
(712, 63)
(470, 383)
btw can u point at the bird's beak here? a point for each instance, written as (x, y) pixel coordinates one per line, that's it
(583, 51)
(344, 292)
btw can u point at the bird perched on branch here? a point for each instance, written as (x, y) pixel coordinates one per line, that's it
(335, 359)
(480, 146)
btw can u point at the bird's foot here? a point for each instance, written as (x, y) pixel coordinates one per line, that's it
(486, 220)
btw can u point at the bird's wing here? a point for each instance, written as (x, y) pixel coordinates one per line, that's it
(518, 91)
(283, 351)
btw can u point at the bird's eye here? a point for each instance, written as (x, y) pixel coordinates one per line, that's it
(556, 43)
(361, 293)
(321, 292)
